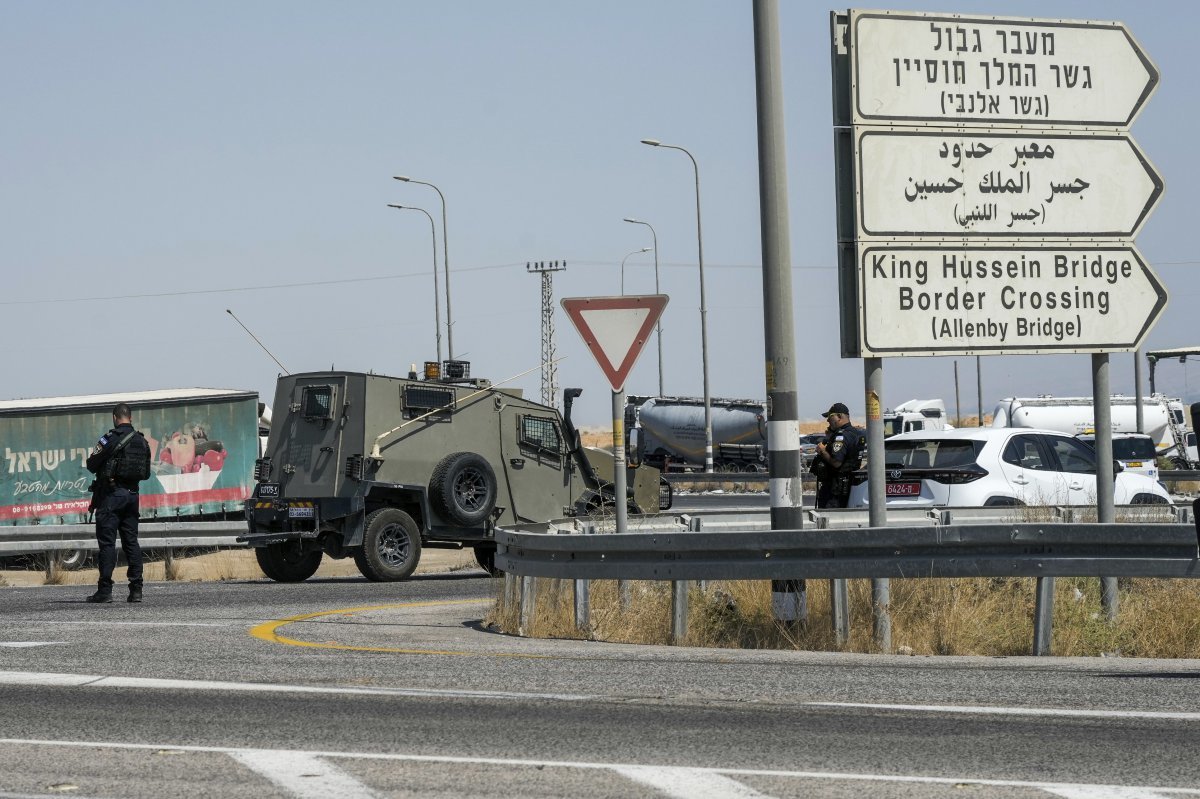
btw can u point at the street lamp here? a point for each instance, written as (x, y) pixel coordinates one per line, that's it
(708, 436)
(658, 325)
(445, 258)
(623, 260)
(437, 316)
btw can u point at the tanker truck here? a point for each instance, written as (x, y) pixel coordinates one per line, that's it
(668, 433)
(1163, 419)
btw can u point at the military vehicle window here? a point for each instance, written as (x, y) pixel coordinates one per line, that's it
(423, 399)
(317, 402)
(540, 433)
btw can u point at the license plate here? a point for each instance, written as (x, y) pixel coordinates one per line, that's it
(1134, 464)
(903, 489)
(300, 513)
(268, 489)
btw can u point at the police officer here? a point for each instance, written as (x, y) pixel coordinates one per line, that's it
(839, 454)
(119, 455)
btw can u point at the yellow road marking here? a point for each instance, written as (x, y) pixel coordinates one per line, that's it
(268, 631)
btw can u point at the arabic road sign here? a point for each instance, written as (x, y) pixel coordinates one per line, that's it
(615, 329)
(940, 69)
(954, 184)
(978, 300)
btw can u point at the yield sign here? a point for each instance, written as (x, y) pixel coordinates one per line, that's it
(615, 329)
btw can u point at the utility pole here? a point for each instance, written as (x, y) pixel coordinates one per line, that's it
(549, 366)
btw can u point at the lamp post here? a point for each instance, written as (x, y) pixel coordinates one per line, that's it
(445, 259)
(658, 325)
(708, 437)
(437, 315)
(623, 260)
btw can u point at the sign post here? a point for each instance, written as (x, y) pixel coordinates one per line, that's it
(615, 330)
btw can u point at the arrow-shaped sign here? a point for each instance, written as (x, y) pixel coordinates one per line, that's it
(996, 70)
(954, 184)
(980, 300)
(615, 329)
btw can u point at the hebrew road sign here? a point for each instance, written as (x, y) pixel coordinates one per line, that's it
(615, 329)
(922, 300)
(940, 69)
(954, 184)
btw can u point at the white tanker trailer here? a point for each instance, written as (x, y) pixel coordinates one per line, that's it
(668, 433)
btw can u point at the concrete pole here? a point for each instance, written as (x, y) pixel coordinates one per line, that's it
(789, 598)
(1105, 511)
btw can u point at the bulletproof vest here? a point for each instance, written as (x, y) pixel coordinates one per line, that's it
(856, 448)
(131, 464)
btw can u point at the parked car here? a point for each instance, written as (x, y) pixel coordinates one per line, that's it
(982, 466)
(1135, 451)
(808, 446)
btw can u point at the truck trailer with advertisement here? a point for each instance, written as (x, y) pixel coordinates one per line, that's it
(203, 444)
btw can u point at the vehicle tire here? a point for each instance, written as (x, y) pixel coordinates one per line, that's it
(485, 556)
(391, 546)
(287, 562)
(74, 559)
(463, 489)
(1149, 499)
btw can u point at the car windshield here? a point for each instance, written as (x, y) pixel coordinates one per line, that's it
(1133, 449)
(938, 453)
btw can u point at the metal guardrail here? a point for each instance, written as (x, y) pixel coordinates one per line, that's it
(30, 538)
(1165, 475)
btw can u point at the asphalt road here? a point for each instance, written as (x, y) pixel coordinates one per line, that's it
(347, 688)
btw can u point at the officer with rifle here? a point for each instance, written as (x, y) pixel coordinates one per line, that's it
(838, 455)
(120, 460)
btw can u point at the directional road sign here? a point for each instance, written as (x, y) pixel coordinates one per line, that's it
(615, 329)
(929, 68)
(953, 184)
(976, 300)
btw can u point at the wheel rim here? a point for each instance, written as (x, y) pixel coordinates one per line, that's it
(394, 545)
(470, 489)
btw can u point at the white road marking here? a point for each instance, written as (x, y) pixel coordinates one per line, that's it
(128, 623)
(1020, 711)
(101, 681)
(1092, 791)
(688, 783)
(27, 644)
(1103, 792)
(303, 775)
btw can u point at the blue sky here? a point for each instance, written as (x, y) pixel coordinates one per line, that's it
(239, 155)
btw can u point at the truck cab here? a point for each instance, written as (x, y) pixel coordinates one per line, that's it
(376, 468)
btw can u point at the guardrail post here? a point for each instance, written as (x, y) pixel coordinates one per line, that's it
(679, 611)
(53, 566)
(583, 614)
(1043, 615)
(528, 600)
(1109, 600)
(839, 600)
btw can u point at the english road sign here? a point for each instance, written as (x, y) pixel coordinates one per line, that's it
(615, 329)
(940, 69)
(1031, 184)
(978, 300)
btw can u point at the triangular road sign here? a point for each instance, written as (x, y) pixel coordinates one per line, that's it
(615, 329)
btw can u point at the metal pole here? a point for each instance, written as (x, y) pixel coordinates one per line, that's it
(789, 597)
(445, 260)
(657, 290)
(1137, 389)
(623, 260)
(619, 479)
(437, 301)
(708, 434)
(583, 621)
(881, 589)
(957, 403)
(1043, 616)
(679, 611)
(1105, 512)
(979, 390)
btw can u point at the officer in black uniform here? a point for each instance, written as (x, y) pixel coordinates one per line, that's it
(837, 456)
(115, 501)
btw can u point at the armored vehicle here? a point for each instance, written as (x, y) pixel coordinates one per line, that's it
(376, 468)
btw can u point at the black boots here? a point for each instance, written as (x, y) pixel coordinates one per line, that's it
(135, 593)
(101, 595)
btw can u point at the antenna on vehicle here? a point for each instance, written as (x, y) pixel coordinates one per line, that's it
(256, 341)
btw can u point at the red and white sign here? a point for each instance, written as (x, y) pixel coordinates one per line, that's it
(615, 329)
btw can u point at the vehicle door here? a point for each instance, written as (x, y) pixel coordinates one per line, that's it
(1077, 468)
(309, 464)
(537, 468)
(1031, 471)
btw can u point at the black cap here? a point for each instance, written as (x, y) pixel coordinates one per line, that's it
(837, 407)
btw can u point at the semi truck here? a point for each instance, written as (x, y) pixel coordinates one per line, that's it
(378, 468)
(203, 444)
(668, 433)
(916, 414)
(1163, 419)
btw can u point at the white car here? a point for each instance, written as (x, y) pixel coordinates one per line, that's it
(990, 466)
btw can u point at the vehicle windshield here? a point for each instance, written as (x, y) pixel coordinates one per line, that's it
(1133, 449)
(931, 453)
(893, 427)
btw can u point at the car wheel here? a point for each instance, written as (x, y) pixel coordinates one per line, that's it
(463, 489)
(1003, 502)
(391, 546)
(287, 562)
(1149, 499)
